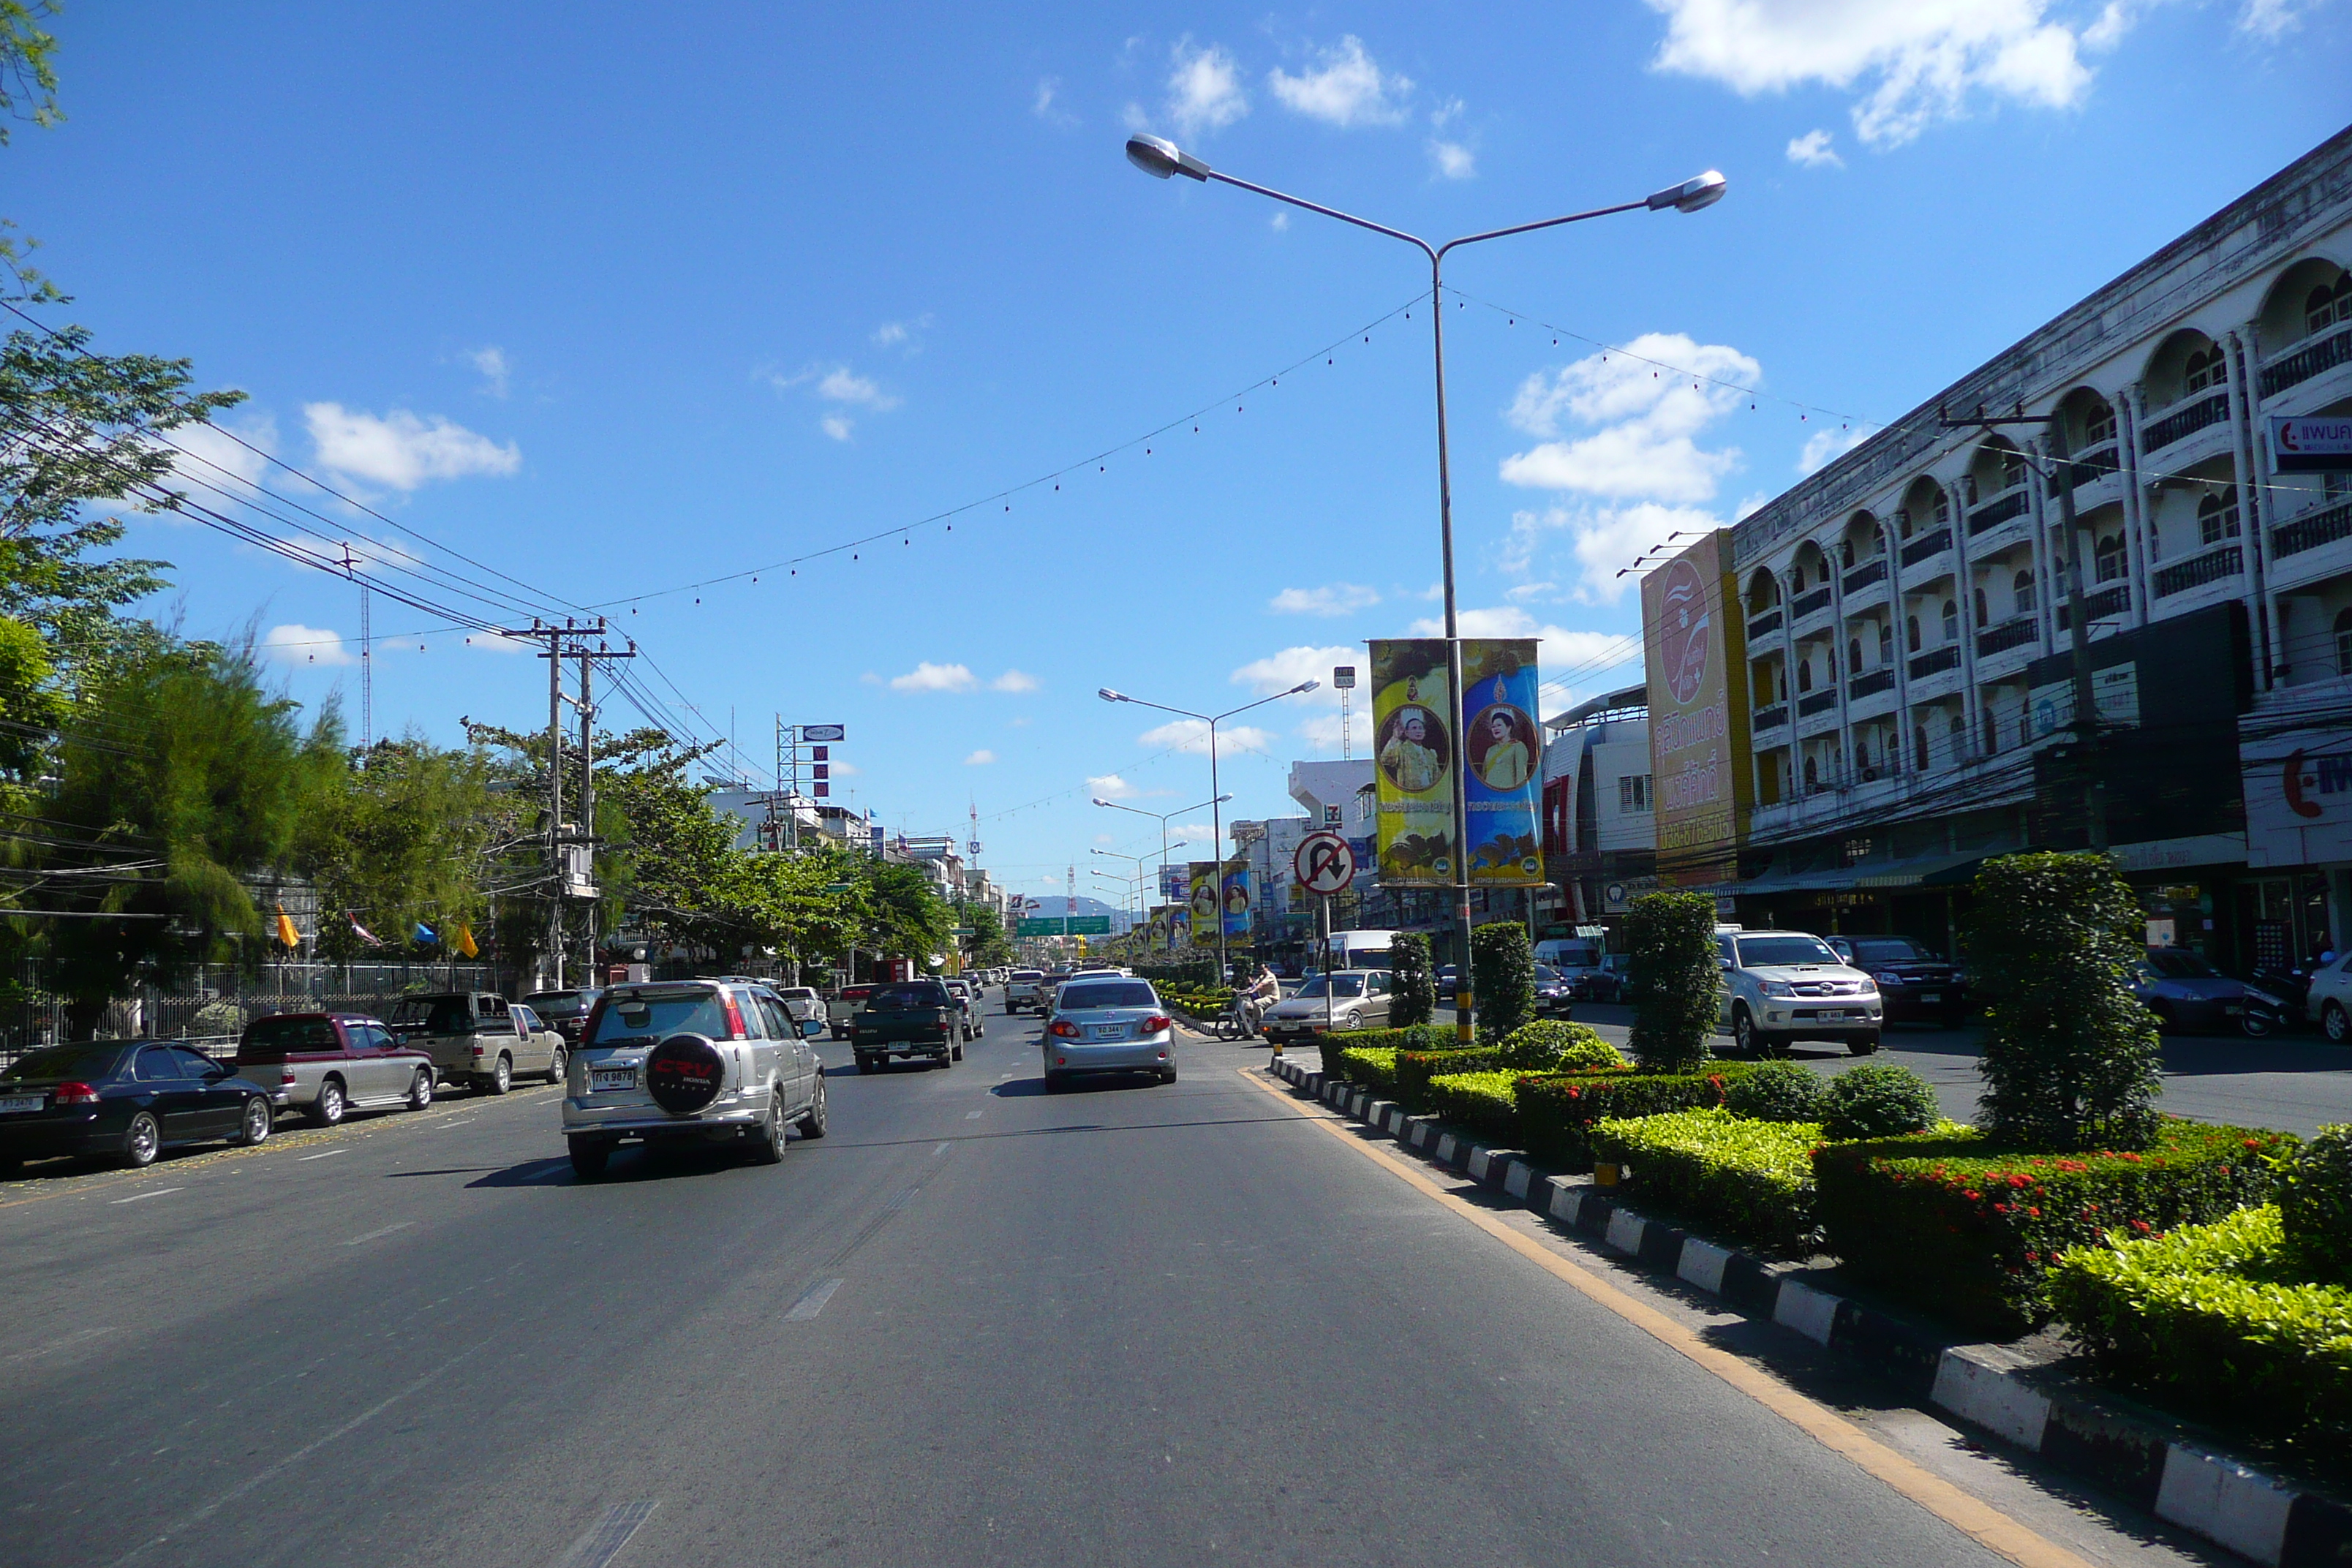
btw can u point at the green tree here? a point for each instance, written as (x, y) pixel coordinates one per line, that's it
(1502, 978)
(1412, 988)
(407, 838)
(2070, 1053)
(1675, 974)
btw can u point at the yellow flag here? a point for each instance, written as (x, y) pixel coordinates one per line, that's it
(465, 942)
(285, 932)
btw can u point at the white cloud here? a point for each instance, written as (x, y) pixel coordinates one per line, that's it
(1526, 590)
(980, 759)
(1600, 541)
(2270, 19)
(1013, 680)
(1915, 63)
(1825, 446)
(491, 361)
(1196, 837)
(1331, 599)
(1648, 416)
(1813, 150)
(1451, 160)
(1278, 222)
(1281, 671)
(207, 463)
(401, 451)
(1047, 105)
(889, 334)
(294, 643)
(835, 425)
(1110, 786)
(1345, 89)
(902, 336)
(1586, 652)
(1105, 838)
(842, 385)
(490, 642)
(928, 677)
(1204, 90)
(1192, 735)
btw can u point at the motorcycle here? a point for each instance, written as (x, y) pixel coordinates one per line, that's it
(2263, 1013)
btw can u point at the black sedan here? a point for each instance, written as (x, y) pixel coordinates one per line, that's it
(1914, 984)
(1555, 993)
(124, 1101)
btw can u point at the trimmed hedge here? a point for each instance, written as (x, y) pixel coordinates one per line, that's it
(1965, 1229)
(1749, 1180)
(1370, 1067)
(1415, 1069)
(2215, 1321)
(1558, 1110)
(1555, 1045)
(1483, 1104)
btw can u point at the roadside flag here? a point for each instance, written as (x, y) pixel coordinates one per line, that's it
(466, 947)
(287, 934)
(425, 934)
(362, 932)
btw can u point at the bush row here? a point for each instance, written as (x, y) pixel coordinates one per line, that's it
(1748, 1179)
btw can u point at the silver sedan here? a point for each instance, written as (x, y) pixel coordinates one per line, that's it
(1109, 1026)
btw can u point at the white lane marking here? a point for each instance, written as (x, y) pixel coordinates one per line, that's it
(1002, 1076)
(940, 1151)
(142, 1197)
(466, 1121)
(972, 1116)
(327, 1155)
(813, 1300)
(608, 1535)
(387, 1230)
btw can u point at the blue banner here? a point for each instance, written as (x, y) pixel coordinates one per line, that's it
(1504, 749)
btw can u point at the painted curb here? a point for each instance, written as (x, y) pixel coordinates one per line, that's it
(2062, 1420)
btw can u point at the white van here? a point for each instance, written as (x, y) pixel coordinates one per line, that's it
(1577, 958)
(1354, 950)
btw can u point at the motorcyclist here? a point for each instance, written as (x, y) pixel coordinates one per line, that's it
(1262, 993)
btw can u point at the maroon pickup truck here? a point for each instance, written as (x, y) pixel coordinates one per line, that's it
(327, 1064)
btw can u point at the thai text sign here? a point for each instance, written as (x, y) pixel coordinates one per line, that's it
(1696, 660)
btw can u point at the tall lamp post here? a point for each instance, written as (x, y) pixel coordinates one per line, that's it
(1138, 859)
(1216, 818)
(1163, 817)
(1160, 158)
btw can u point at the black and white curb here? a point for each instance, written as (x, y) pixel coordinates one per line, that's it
(2142, 1457)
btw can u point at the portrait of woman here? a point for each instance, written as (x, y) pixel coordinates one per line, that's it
(1504, 749)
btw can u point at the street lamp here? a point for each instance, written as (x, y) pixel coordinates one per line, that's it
(1165, 847)
(1160, 158)
(1216, 818)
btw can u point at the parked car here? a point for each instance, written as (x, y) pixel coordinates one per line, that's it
(1357, 999)
(1108, 1025)
(326, 1065)
(477, 1037)
(688, 1061)
(566, 1012)
(1784, 985)
(2188, 993)
(1612, 981)
(1020, 989)
(908, 1019)
(1914, 984)
(967, 997)
(2328, 998)
(1555, 993)
(842, 1007)
(124, 1100)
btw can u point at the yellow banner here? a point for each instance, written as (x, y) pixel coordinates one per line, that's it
(1414, 756)
(1697, 659)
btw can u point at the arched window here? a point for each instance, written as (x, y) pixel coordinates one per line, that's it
(2099, 425)
(1943, 508)
(2327, 306)
(2013, 467)
(1796, 578)
(1951, 622)
(2107, 559)
(1903, 522)
(1984, 609)
(2204, 368)
(1887, 642)
(2217, 516)
(1969, 489)
(1805, 674)
(1854, 656)
(1919, 746)
(2022, 587)
(2344, 642)
(1992, 733)
(1846, 553)
(1862, 762)
(1812, 774)
(1957, 733)
(1911, 633)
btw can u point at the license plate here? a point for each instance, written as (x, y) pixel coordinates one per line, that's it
(17, 1102)
(1931, 997)
(612, 1077)
(1105, 1031)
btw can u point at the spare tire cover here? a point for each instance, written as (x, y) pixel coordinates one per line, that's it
(685, 1073)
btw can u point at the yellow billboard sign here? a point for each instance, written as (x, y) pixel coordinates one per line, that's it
(1695, 657)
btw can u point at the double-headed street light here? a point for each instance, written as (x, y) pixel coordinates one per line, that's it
(1160, 158)
(1163, 817)
(1216, 818)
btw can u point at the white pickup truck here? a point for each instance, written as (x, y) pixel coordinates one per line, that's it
(479, 1038)
(1021, 990)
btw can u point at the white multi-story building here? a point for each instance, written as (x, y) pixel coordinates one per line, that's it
(1906, 610)
(1599, 829)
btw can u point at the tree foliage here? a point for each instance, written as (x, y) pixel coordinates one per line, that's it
(1675, 973)
(1411, 988)
(406, 838)
(1502, 978)
(2070, 1053)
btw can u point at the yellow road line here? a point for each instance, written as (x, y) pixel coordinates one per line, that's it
(1972, 1517)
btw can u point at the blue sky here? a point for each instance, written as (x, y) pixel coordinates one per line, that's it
(617, 303)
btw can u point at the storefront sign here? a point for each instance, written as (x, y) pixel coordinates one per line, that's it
(1412, 752)
(2115, 699)
(2311, 443)
(1697, 659)
(1504, 753)
(2168, 854)
(2298, 797)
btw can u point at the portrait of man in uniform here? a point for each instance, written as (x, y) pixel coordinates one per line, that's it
(1412, 750)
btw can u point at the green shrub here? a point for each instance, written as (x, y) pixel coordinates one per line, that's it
(1483, 1104)
(1965, 1229)
(1557, 1111)
(1370, 1067)
(2314, 1201)
(1877, 1100)
(1777, 1091)
(1412, 991)
(1674, 971)
(1502, 979)
(1552, 1045)
(1415, 1069)
(1748, 1181)
(2214, 1321)
(2070, 1053)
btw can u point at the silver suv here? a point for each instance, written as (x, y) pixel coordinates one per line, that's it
(692, 1061)
(1784, 985)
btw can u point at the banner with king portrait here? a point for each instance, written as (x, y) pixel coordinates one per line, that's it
(1413, 772)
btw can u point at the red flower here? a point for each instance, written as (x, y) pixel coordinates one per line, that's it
(2252, 1143)
(2021, 1180)
(2033, 1257)
(2001, 1208)
(1972, 1196)
(2140, 1226)
(2034, 1212)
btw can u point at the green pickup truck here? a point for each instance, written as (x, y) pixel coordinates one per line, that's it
(908, 1019)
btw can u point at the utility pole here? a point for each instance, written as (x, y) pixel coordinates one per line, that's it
(367, 656)
(2078, 620)
(568, 640)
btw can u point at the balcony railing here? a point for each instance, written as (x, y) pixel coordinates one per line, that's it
(1813, 703)
(2004, 637)
(2184, 419)
(1863, 575)
(1804, 604)
(2096, 464)
(1764, 625)
(2104, 606)
(1771, 718)
(2212, 567)
(1935, 661)
(1871, 683)
(2312, 529)
(1918, 550)
(1997, 511)
(2295, 368)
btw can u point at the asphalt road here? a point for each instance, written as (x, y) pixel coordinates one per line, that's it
(976, 1324)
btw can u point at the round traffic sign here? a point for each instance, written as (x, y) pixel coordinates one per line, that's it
(1324, 863)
